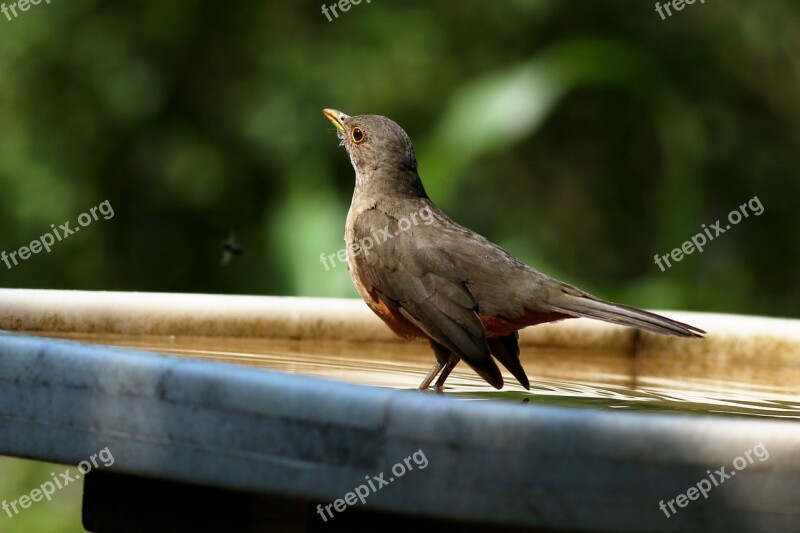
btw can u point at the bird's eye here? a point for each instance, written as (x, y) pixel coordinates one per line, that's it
(358, 135)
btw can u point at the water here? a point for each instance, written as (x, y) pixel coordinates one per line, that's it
(586, 379)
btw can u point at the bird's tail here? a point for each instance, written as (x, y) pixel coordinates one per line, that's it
(574, 302)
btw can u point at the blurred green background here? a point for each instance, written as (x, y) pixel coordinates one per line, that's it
(583, 136)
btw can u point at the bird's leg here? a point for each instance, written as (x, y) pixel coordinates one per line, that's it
(448, 367)
(446, 361)
(437, 367)
(442, 361)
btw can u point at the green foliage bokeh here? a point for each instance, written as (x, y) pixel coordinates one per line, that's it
(584, 136)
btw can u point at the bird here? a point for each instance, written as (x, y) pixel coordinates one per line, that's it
(430, 278)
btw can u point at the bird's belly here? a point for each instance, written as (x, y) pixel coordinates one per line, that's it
(396, 321)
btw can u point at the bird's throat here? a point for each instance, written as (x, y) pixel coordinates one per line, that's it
(382, 182)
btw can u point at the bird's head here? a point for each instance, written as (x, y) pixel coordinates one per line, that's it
(380, 151)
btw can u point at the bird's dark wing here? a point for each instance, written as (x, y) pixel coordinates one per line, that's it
(411, 275)
(506, 350)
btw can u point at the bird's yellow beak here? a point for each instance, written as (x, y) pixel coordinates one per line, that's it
(337, 117)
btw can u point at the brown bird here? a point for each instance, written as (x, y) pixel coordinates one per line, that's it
(429, 278)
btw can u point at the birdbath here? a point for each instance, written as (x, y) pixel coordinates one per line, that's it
(249, 412)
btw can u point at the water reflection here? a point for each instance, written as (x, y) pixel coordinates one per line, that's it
(596, 379)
